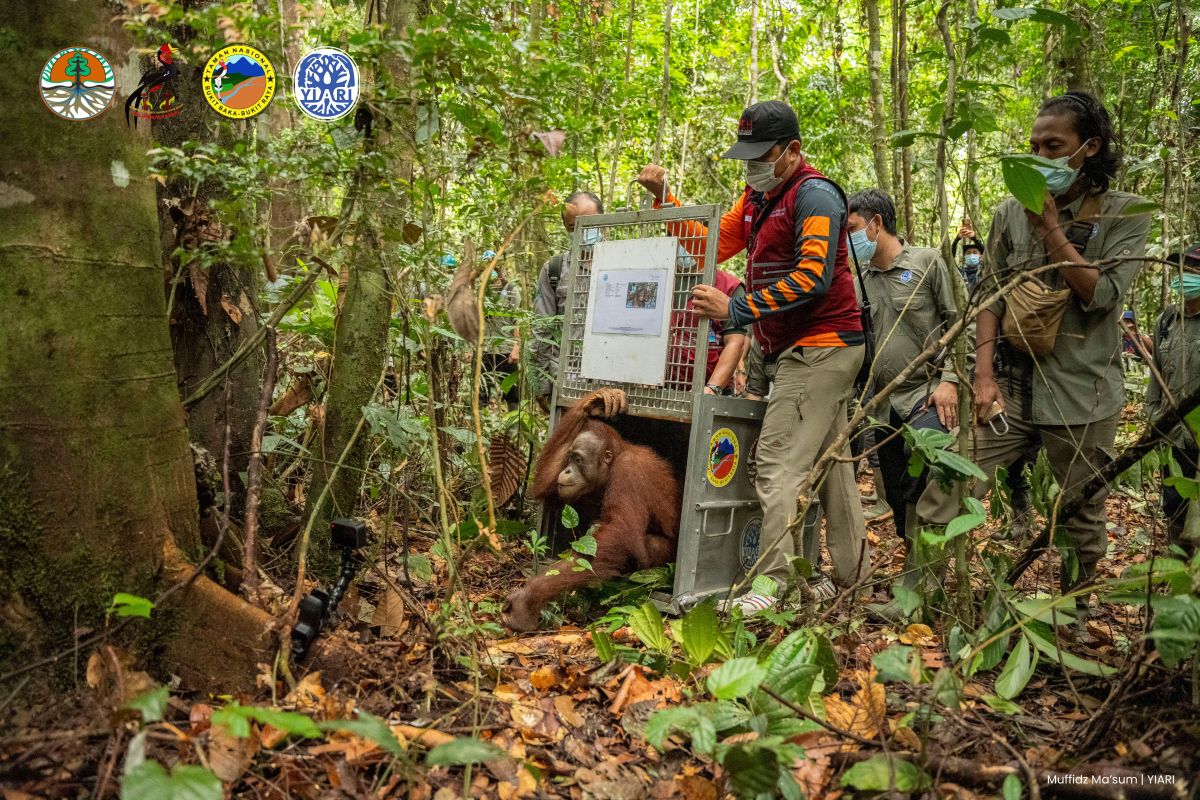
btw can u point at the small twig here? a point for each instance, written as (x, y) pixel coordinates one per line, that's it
(813, 718)
(250, 580)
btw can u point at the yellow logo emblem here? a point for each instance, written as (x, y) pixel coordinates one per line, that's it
(239, 81)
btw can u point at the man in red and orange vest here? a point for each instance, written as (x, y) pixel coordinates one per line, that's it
(791, 221)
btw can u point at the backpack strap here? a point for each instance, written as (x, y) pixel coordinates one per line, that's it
(554, 269)
(1165, 321)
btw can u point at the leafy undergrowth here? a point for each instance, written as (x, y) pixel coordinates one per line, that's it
(438, 703)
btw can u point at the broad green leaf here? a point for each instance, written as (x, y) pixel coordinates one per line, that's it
(1011, 789)
(752, 770)
(1188, 488)
(1042, 640)
(1017, 670)
(996, 35)
(906, 138)
(878, 774)
(1176, 627)
(150, 781)
(151, 704)
(585, 545)
(765, 584)
(369, 727)
(696, 721)
(463, 750)
(1000, 705)
(964, 523)
(1011, 14)
(1026, 183)
(737, 677)
(602, 640)
(1047, 16)
(130, 605)
(647, 625)
(570, 517)
(700, 632)
(961, 466)
(236, 719)
(898, 663)
(1193, 420)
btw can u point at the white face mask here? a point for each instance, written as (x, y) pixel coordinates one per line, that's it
(760, 175)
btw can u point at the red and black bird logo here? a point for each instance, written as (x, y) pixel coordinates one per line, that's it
(154, 97)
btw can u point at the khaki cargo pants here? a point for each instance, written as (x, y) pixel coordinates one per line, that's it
(807, 410)
(1075, 453)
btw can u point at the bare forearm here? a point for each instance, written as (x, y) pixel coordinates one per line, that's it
(727, 363)
(987, 326)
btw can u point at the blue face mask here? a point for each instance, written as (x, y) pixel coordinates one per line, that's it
(864, 248)
(972, 260)
(1061, 176)
(1190, 288)
(590, 236)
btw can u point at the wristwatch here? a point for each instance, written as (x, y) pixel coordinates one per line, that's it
(716, 389)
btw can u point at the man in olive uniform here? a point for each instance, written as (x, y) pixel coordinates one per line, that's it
(911, 292)
(1177, 359)
(1069, 399)
(551, 299)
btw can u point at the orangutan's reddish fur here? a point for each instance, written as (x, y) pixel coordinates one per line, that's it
(637, 511)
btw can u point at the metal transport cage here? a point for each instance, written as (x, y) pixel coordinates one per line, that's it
(709, 440)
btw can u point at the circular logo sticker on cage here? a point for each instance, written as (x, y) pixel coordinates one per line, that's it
(326, 84)
(78, 84)
(722, 456)
(751, 544)
(238, 81)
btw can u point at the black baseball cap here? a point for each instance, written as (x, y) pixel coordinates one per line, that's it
(1189, 256)
(761, 126)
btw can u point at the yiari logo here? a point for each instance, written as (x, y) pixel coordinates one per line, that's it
(326, 84)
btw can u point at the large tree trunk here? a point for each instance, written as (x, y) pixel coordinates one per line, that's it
(97, 489)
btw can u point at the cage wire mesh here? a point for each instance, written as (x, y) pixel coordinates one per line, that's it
(696, 228)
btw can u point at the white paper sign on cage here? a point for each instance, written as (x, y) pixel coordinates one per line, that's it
(627, 329)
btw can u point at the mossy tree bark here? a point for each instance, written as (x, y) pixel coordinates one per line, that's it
(97, 489)
(212, 314)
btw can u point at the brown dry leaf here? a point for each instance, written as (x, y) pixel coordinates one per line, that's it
(228, 756)
(389, 614)
(231, 309)
(695, 787)
(551, 140)
(426, 737)
(199, 286)
(545, 678)
(308, 693)
(864, 712)
(565, 707)
(352, 747)
(271, 737)
(906, 738)
(635, 688)
(538, 722)
(114, 683)
(813, 772)
(17, 794)
(506, 468)
(918, 634)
